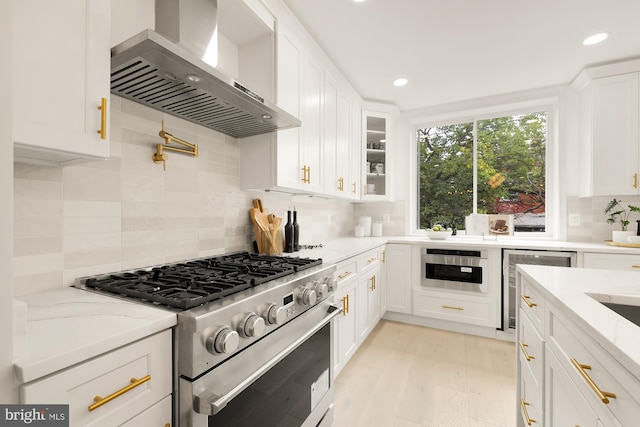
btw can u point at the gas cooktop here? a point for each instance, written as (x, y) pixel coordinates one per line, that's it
(192, 283)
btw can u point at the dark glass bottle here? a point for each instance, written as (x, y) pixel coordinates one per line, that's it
(288, 234)
(296, 232)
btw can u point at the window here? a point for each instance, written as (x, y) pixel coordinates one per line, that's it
(493, 165)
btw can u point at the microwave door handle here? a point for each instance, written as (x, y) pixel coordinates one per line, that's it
(211, 403)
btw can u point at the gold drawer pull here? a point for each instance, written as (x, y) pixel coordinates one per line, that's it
(525, 298)
(102, 400)
(103, 118)
(452, 308)
(603, 395)
(346, 273)
(635, 180)
(373, 283)
(370, 260)
(524, 351)
(384, 257)
(635, 266)
(524, 405)
(345, 305)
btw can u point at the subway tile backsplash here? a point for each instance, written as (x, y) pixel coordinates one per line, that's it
(593, 226)
(126, 212)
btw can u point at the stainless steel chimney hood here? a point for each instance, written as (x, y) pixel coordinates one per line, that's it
(153, 70)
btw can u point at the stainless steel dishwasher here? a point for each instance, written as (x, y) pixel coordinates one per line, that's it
(513, 257)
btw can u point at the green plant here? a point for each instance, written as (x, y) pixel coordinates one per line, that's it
(618, 213)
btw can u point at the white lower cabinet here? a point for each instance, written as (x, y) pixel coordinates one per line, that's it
(612, 261)
(360, 295)
(397, 275)
(564, 404)
(159, 415)
(583, 385)
(115, 388)
(346, 327)
(369, 301)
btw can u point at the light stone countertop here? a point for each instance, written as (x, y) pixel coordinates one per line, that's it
(337, 250)
(68, 326)
(568, 288)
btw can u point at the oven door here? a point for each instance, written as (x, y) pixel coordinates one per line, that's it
(453, 272)
(285, 379)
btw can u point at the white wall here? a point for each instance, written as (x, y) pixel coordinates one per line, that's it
(7, 386)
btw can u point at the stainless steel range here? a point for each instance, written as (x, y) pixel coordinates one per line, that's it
(253, 343)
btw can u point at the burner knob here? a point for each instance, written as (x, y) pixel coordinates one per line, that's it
(322, 289)
(331, 283)
(275, 315)
(223, 340)
(251, 325)
(307, 297)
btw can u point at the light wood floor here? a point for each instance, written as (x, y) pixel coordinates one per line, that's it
(409, 376)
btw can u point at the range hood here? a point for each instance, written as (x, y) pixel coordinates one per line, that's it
(163, 69)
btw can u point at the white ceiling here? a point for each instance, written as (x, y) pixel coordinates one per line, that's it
(454, 50)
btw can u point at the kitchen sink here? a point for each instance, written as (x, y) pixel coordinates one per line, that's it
(627, 306)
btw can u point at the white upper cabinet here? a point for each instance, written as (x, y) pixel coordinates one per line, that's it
(615, 135)
(61, 63)
(318, 157)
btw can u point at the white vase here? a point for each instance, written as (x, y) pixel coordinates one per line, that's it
(621, 236)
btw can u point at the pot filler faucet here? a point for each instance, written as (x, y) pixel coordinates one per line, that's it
(159, 155)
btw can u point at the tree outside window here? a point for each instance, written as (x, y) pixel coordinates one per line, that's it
(509, 172)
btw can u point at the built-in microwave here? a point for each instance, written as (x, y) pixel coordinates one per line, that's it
(455, 269)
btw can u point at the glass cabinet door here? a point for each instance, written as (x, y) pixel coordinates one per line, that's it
(375, 168)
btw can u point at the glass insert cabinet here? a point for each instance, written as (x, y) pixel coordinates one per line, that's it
(376, 160)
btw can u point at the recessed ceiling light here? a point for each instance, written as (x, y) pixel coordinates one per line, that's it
(594, 39)
(400, 82)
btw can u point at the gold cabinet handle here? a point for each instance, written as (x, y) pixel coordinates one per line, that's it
(384, 256)
(602, 395)
(345, 305)
(370, 260)
(448, 307)
(340, 184)
(524, 405)
(524, 351)
(99, 400)
(635, 266)
(354, 187)
(103, 119)
(346, 273)
(635, 180)
(373, 283)
(525, 298)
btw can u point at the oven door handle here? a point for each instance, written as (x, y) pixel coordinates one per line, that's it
(211, 403)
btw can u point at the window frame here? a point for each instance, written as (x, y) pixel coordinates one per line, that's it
(552, 205)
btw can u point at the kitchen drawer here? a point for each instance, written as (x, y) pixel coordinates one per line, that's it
(532, 303)
(573, 347)
(346, 270)
(612, 261)
(105, 375)
(159, 415)
(531, 400)
(530, 348)
(368, 260)
(480, 311)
